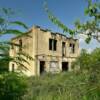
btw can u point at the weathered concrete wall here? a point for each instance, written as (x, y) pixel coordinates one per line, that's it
(36, 44)
(27, 47)
(44, 54)
(42, 42)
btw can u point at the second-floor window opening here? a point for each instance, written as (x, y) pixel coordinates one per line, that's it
(55, 45)
(52, 44)
(20, 45)
(63, 49)
(72, 48)
(12, 46)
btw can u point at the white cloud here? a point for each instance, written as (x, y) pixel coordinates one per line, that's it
(81, 38)
(89, 50)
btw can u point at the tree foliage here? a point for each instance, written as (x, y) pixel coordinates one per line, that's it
(5, 28)
(89, 61)
(12, 86)
(90, 28)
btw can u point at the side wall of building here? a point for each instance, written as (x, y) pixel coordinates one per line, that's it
(28, 48)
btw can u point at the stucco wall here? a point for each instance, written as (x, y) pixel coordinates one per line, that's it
(36, 44)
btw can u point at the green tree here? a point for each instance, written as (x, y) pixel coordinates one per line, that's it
(89, 61)
(90, 28)
(5, 28)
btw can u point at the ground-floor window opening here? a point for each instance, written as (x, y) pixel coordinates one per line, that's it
(64, 66)
(13, 67)
(54, 67)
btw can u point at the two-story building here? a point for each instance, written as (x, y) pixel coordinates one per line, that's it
(51, 52)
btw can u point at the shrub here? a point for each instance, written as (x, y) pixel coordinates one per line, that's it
(12, 86)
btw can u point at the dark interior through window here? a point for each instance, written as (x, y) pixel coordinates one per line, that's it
(13, 67)
(72, 46)
(52, 44)
(42, 67)
(63, 49)
(55, 45)
(20, 45)
(64, 66)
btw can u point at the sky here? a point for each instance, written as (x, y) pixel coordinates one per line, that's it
(32, 12)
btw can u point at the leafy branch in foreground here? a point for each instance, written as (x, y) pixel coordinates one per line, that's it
(57, 22)
(5, 22)
(21, 58)
(90, 28)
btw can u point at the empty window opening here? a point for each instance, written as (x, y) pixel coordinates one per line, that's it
(42, 67)
(12, 46)
(64, 66)
(63, 49)
(72, 48)
(20, 45)
(55, 45)
(13, 67)
(52, 44)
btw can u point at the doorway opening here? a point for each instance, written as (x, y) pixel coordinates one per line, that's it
(64, 66)
(42, 67)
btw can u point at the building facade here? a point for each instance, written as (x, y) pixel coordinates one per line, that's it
(51, 52)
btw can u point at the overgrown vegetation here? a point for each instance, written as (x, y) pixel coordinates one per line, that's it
(90, 28)
(12, 86)
(83, 84)
(89, 61)
(80, 84)
(6, 27)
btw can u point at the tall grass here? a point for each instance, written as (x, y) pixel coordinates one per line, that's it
(63, 86)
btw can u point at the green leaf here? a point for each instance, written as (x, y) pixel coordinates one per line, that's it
(86, 11)
(7, 11)
(11, 31)
(87, 40)
(55, 20)
(20, 24)
(77, 24)
(71, 32)
(25, 55)
(2, 20)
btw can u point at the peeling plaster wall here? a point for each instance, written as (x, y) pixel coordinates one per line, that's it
(36, 44)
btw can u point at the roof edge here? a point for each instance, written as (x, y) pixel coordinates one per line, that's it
(42, 29)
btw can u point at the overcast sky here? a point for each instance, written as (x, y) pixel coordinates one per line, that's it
(32, 13)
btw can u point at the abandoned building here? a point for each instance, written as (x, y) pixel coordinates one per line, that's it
(51, 52)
